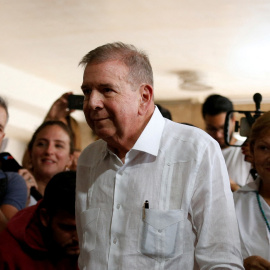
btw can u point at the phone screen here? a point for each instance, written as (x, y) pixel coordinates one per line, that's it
(75, 102)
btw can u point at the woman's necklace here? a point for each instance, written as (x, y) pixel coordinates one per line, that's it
(263, 214)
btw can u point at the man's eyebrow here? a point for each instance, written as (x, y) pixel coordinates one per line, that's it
(101, 85)
(108, 85)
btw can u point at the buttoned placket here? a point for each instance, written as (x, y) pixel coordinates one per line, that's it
(118, 223)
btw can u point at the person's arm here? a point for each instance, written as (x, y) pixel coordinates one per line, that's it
(3, 221)
(256, 263)
(8, 211)
(30, 181)
(234, 186)
(213, 214)
(59, 110)
(16, 194)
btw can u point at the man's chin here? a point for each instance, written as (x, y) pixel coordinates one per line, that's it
(72, 251)
(223, 145)
(103, 133)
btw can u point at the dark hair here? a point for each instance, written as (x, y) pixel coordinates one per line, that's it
(140, 70)
(260, 127)
(3, 104)
(216, 104)
(165, 112)
(52, 123)
(59, 193)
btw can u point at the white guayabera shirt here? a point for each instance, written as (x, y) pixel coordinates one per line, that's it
(190, 223)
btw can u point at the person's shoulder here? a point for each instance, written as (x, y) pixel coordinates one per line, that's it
(187, 133)
(186, 142)
(92, 151)
(236, 150)
(15, 180)
(15, 183)
(14, 176)
(246, 191)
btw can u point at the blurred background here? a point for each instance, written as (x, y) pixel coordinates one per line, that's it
(196, 48)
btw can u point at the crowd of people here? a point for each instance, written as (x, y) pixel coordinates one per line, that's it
(150, 193)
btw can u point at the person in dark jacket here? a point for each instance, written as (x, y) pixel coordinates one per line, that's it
(44, 236)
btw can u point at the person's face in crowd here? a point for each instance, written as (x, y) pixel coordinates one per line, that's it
(62, 227)
(3, 122)
(51, 152)
(111, 104)
(246, 151)
(261, 156)
(215, 127)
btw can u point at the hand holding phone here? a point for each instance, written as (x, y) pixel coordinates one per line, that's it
(9, 164)
(75, 102)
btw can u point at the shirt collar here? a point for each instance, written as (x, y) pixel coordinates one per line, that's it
(149, 140)
(252, 186)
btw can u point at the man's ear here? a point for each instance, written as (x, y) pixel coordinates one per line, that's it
(146, 98)
(44, 217)
(233, 118)
(2, 136)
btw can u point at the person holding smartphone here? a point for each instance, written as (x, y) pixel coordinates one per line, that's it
(13, 190)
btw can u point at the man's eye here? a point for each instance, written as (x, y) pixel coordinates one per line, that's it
(86, 92)
(107, 90)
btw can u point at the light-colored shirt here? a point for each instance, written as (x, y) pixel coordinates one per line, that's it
(254, 234)
(190, 223)
(238, 168)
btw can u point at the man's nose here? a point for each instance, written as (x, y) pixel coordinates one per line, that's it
(75, 236)
(95, 100)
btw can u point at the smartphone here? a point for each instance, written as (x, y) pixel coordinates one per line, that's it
(9, 164)
(75, 102)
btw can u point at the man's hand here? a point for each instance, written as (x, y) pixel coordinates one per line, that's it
(256, 263)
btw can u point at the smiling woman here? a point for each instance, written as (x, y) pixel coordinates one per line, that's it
(252, 202)
(50, 151)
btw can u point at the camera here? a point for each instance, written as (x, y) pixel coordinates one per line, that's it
(75, 102)
(244, 121)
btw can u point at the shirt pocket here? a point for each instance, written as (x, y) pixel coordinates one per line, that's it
(89, 218)
(161, 234)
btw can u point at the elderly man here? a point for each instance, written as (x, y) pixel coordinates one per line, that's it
(151, 193)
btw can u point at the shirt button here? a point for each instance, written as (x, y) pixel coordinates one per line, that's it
(114, 240)
(160, 231)
(118, 206)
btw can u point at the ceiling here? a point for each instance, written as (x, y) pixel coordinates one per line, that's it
(196, 48)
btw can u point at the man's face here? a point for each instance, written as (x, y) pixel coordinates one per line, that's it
(214, 126)
(111, 103)
(3, 121)
(62, 228)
